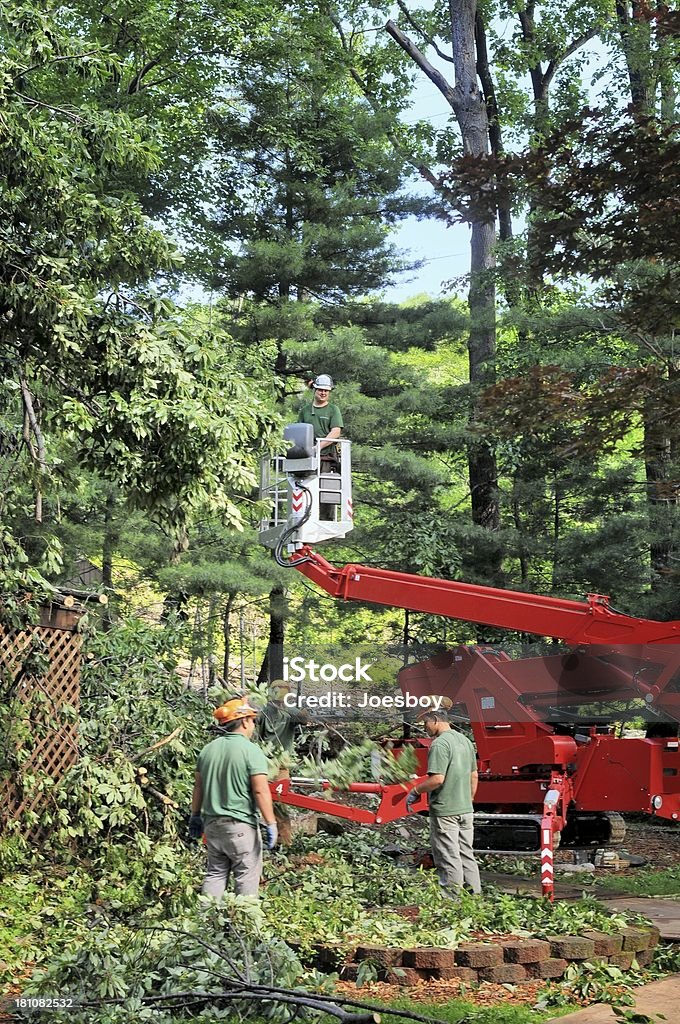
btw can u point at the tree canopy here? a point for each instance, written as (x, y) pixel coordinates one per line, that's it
(198, 216)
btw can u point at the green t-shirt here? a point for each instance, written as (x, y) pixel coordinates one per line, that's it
(323, 419)
(225, 767)
(453, 756)
(277, 724)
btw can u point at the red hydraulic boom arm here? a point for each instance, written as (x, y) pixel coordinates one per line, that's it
(547, 755)
(576, 622)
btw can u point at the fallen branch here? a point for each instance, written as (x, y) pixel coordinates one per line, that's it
(163, 797)
(182, 1000)
(161, 743)
(236, 987)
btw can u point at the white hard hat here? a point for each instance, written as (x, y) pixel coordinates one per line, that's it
(325, 381)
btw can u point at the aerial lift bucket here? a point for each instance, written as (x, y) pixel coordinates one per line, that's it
(307, 492)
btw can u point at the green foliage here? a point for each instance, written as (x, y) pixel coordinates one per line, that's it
(158, 399)
(593, 982)
(49, 908)
(349, 896)
(666, 959)
(636, 1016)
(327, 180)
(193, 953)
(364, 762)
(39, 917)
(140, 732)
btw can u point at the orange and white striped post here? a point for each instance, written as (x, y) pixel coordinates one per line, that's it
(550, 802)
(547, 869)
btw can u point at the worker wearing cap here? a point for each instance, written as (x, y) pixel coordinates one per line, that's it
(230, 787)
(277, 723)
(452, 784)
(323, 414)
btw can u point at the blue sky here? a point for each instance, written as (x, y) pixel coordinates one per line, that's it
(444, 250)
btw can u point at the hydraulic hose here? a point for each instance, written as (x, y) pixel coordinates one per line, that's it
(287, 563)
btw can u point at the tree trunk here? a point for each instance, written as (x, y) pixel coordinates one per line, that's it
(557, 533)
(467, 101)
(272, 665)
(661, 455)
(226, 633)
(481, 361)
(519, 529)
(493, 117)
(636, 44)
(277, 604)
(636, 40)
(668, 95)
(471, 113)
(109, 544)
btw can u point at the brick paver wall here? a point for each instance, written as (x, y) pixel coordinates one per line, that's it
(505, 961)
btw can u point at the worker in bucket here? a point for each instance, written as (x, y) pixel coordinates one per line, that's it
(326, 419)
(324, 415)
(452, 784)
(277, 725)
(230, 787)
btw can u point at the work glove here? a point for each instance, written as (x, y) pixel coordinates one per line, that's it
(195, 826)
(411, 799)
(272, 835)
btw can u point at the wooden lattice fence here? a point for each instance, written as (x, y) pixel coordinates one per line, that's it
(53, 743)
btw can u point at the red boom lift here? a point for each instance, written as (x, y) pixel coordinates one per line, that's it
(551, 765)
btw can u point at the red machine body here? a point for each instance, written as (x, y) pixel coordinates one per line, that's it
(544, 727)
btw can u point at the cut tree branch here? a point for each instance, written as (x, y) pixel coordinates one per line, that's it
(180, 1000)
(161, 743)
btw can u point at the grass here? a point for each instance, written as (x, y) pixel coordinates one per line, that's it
(647, 883)
(460, 1011)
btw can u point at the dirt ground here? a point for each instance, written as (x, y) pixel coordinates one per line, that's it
(655, 840)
